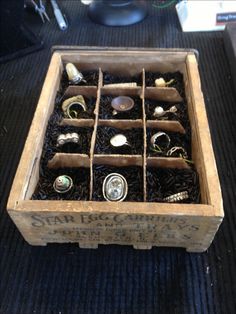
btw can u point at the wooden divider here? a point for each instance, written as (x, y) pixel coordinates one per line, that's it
(63, 160)
(93, 139)
(144, 141)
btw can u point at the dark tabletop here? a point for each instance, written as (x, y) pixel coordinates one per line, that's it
(116, 279)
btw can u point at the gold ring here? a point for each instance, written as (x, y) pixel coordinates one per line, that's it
(70, 106)
(176, 197)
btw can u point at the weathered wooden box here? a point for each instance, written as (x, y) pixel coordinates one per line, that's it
(140, 224)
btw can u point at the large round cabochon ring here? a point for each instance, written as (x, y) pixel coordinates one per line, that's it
(114, 188)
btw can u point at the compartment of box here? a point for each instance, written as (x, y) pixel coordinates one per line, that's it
(163, 182)
(80, 190)
(54, 131)
(177, 78)
(178, 121)
(106, 110)
(110, 78)
(176, 140)
(91, 76)
(180, 115)
(134, 137)
(90, 97)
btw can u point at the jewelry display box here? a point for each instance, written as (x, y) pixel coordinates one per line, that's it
(143, 219)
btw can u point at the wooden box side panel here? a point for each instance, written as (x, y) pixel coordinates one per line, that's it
(202, 145)
(93, 223)
(127, 62)
(27, 174)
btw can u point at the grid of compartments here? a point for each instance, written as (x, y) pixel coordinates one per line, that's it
(151, 175)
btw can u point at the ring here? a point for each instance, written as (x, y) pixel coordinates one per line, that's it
(63, 184)
(163, 138)
(73, 74)
(160, 82)
(114, 188)
(176, 197)
(72, 106)
(67, 138)
(121, 104)
(160, 112)
(182, 152)
(119, 140)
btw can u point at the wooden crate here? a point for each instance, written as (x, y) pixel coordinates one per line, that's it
(140, 224)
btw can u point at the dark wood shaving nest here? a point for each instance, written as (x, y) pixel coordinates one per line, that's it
(150, 78)
(163, 182)
(109, 78)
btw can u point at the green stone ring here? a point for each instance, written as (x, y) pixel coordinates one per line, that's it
(63, 184)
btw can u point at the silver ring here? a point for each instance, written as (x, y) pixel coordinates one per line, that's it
(160, 112)
(176, 149)
(63, 184)
(119, 140)
(157, 136)
(67, 138)
(176, 197)
(74, 75)
(114, 188)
